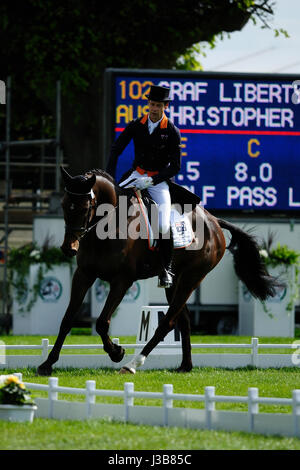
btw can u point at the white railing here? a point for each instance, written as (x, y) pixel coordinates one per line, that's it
(207, 418)
(155, 360)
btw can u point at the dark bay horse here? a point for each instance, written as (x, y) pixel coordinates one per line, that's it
(122, 260)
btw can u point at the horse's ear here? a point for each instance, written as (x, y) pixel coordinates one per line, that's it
(65, 175)
(91, 181)
(87, 183)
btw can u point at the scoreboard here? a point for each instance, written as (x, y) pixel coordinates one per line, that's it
(240, 133)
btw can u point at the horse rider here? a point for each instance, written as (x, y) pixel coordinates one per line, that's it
(157, 148)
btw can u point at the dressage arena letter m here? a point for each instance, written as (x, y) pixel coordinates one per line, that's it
(144, 325)
(150, 319)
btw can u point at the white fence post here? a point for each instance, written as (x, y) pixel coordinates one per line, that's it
(252, 406)
(167, 401)
(296, 412)
(52, 394)
(2, 352)
(209, 405)
(90, 397)
(45, 346)
(128, 398)
(254, 347)
(116, 341)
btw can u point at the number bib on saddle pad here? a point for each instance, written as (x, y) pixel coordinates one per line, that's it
(181, 228)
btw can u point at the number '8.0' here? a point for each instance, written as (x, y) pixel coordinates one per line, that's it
(241, 172)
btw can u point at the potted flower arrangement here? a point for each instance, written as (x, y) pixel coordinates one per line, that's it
(15, 401)
(38, 277)
(284, 261)
(276, 316)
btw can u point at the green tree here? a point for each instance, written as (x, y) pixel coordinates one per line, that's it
(43, 41)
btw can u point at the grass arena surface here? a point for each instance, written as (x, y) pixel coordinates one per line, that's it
(105, 434)
(46, 434)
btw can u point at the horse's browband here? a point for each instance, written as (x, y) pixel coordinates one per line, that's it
(90, 193)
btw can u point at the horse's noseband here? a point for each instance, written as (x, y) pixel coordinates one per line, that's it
(82, 231)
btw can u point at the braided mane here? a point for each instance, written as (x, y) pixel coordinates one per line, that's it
(99, 172)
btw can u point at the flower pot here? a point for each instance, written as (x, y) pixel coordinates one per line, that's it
(274, 317)
(17, 413)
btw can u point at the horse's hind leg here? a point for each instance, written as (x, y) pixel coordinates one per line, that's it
(80, 284)
(184, 326)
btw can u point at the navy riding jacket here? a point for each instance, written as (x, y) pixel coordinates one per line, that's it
(157, 152)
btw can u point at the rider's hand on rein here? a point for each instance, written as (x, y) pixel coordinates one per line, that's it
(143, 183)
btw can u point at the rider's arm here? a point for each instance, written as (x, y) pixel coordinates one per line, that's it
(175, 159)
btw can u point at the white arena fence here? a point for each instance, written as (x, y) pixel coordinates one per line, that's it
(156, 360)
(286, 424)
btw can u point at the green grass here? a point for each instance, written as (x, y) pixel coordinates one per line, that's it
(103, 434)
(46, 434)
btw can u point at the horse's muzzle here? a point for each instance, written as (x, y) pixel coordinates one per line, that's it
(70, 249)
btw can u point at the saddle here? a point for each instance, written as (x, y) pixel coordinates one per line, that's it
(183, 235)
(183, 201)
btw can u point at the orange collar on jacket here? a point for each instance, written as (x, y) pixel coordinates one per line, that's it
(163, 122)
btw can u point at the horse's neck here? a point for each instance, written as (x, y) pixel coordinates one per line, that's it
(105, 191)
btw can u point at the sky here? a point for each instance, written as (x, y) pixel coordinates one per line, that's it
(257, 50)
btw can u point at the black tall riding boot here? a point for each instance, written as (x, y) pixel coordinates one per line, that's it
(166, 248)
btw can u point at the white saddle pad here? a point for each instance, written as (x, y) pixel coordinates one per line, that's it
(182, 230)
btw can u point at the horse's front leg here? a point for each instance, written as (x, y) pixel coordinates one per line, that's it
(80, 284)
(118, 289)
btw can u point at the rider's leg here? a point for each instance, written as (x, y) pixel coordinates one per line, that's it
(161, 195)
(166, 248)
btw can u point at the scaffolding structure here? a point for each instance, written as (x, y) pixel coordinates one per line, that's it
(5, 147)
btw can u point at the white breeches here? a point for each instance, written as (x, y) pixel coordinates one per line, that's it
(161, 195)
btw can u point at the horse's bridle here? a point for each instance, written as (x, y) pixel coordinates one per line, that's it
(82, 231)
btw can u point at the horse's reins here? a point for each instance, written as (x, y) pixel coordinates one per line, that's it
(84, 230)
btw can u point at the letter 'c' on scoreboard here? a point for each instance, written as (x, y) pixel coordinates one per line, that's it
(251, 148)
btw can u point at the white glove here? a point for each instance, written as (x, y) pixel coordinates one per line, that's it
(143, 183)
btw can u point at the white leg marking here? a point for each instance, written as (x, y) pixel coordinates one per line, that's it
(136, 362)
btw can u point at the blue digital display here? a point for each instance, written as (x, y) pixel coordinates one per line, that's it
(240, 135)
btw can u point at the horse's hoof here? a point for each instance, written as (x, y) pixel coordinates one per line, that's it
(184, 369)
(127, 370)
(117, 354)
(44, 371)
